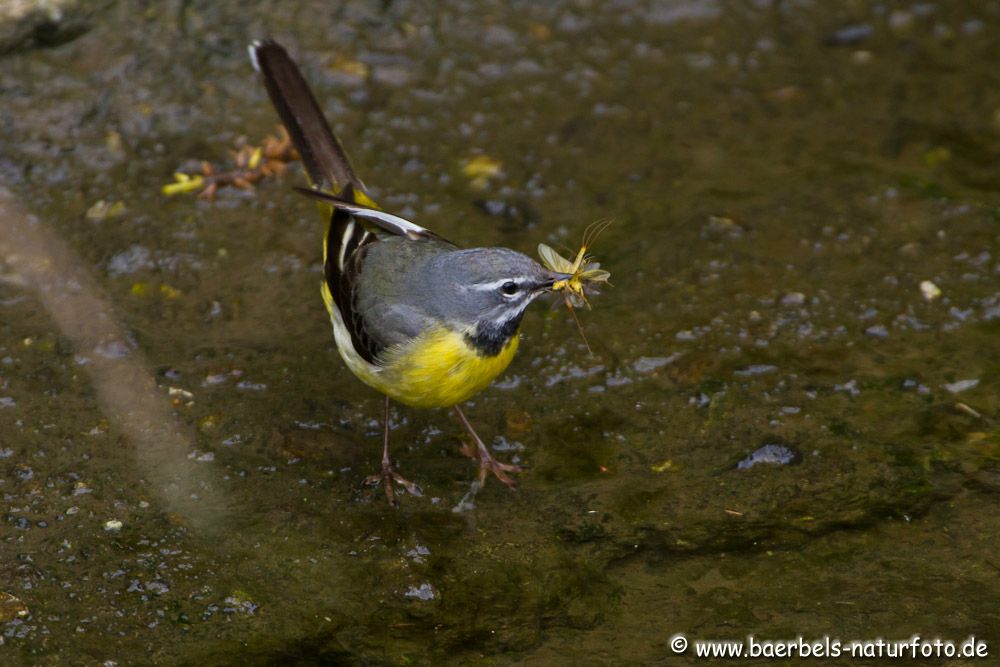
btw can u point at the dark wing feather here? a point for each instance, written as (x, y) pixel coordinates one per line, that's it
(342, 275)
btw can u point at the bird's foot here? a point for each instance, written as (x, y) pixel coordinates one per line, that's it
(386, 477)
(488, 464)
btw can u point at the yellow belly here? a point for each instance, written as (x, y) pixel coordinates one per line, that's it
(439, 370)
(434, 370)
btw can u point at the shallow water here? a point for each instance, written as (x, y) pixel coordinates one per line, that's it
(783, 178)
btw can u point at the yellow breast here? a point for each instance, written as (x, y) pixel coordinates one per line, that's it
(439, 369)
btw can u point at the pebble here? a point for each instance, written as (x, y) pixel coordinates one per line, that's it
(422, 592)
(755, 369)
(929, 290)
(960, 386)
(11, 608)
(770, 453)
(645, 365)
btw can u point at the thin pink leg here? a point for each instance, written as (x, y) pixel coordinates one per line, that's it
(388, 474)
(486, 461)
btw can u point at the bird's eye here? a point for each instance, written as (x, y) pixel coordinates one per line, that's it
(509, 288)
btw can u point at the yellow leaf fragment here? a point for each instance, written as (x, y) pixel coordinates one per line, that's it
(113, 142)
(208, 422)
(349, 67)
(255, 158)
(183, 183)
(540, 31)
(169, 292)
(102, 210)
(937, 156)
(663, 466)
(480, 169)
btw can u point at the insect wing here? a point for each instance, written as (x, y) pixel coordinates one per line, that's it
(553, 260)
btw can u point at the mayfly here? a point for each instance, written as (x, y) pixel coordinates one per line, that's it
(583, 272)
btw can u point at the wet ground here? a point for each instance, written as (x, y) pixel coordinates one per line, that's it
(788, 425)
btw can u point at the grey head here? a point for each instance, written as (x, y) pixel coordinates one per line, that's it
(484, 292)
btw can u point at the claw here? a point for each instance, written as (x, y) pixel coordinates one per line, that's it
(487, 464)
(386, 477)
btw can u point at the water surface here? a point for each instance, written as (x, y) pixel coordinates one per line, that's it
(181, 481)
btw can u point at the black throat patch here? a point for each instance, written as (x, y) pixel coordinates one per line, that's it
(490, 338)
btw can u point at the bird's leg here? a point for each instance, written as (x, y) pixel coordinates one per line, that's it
(388, 475)
(486, 461)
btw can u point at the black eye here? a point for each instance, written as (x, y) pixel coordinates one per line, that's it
(509, 288)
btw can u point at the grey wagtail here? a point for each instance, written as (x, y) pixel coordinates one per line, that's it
(426, 323)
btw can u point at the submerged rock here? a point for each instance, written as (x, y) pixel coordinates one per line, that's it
(11, 608)
(32, 23)
(770, 453)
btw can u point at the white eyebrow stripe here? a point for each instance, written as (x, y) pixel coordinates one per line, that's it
(485, 287)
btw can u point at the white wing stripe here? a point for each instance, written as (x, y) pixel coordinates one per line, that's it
(399, 225)
(387, 221)
(348, 231)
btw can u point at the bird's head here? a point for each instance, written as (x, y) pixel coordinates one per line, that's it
(483, 292)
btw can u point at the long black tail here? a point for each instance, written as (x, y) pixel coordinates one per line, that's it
(323, 156)
(329, 170)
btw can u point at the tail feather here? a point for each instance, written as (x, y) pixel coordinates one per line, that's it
(323, 156)
(330, 172)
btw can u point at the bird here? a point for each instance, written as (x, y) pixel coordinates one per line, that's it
(415, 317)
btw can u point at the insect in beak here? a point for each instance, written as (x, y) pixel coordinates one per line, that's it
(555, 277)
(574, 278)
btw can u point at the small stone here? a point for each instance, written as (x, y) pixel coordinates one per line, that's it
(900, 20)
(113, 525)
(929, 290)
(793, 299)
(644, 365)
(135, 258)
(11, 608)
(770, 453)
(755, 369)
(422, 592)
(960, 386)
(861, 57)
(850, 35)
(877, 331)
